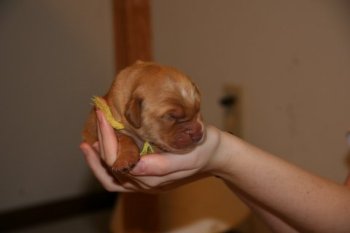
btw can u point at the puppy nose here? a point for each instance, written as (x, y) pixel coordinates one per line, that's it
(196, 137)
(195, 133)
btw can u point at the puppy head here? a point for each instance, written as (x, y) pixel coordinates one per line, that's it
(164, 109)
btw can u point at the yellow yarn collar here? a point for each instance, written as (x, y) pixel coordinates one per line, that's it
(101, 104)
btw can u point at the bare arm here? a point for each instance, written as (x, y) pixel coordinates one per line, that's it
(275, 223)
(282, 193)
(303, 200)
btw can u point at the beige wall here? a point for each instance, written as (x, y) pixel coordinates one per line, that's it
(54, 55)
(290, 57)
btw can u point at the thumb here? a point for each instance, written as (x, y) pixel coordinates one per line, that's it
(162, 164)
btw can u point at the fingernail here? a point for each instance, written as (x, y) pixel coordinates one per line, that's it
(83, 147)
(139, 169)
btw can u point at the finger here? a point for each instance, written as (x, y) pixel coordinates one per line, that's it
(100, 146)
(130, 183)
(158, 181)
(173, 180)
(101, 173)
(163, 164)
(107, 138)
(96, 147)
(347, 181)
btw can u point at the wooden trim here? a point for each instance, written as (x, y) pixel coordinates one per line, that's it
(132, 24)
(133, 39)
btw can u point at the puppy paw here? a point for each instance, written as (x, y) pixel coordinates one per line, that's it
(128, 154)
(123, 166)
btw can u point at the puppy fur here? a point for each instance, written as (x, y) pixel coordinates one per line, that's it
(156, 103)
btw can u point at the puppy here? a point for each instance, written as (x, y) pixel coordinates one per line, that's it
(156, 104)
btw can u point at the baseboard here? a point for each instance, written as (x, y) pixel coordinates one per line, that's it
(56, 210)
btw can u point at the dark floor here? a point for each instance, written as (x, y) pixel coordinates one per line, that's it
(97, 222)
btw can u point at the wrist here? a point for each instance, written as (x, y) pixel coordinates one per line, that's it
(227, 150)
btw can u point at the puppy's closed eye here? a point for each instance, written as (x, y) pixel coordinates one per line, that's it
(175, 115)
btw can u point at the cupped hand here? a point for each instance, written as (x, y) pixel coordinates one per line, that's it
(154, 172)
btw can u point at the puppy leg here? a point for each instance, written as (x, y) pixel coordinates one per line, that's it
(90, 129)
(128, 154)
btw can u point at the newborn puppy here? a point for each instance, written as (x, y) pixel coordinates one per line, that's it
(156, 104)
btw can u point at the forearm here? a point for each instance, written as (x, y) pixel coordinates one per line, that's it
(275, 223)
(302, 199)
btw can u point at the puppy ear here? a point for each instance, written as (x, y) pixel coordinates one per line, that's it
(133, 111)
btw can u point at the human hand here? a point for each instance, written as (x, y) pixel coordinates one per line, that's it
(155, 172)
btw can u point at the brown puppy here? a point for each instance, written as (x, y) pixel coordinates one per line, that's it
(157, 104)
